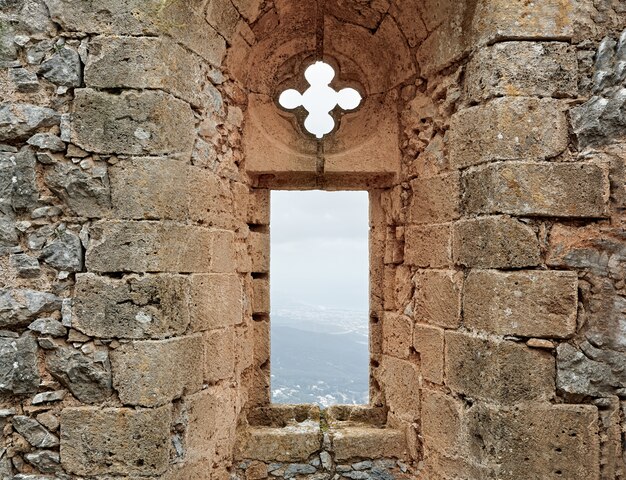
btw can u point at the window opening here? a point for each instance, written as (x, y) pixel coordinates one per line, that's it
(320, 99)
(319, 297)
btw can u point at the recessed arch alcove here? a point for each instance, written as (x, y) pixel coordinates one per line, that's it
(141, 140)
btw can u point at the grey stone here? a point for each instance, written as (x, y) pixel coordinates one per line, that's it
(24, 80)
(63, 68)
(365, 465)
(26, 266)
(88, 193)
(600, 120)
(357, 475)
(7, 412)
(316, 462)
(9, 334)
(19, 372)
(34, 432)
(18, 187)
(327, 460)
(298, 469)
(44, 212)
(46, 397)
(34, 18)
(590, 371)
(8, 233)
(47, 141)
(29, 476)
(87, 377)
(45, 461)
(48, 326)
(21, 120)
(18, 307)
(38, 238)
(378, 473)
(65, 252)
(36, 53)
(343, 468)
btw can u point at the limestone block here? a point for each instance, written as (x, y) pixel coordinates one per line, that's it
(138, 62)
(408, 16)
(442, 422)
(19, 372)
(259, 249)
(153, 306)
(292, 443)
(563, 439)
(541, 69)
(397, 332)
(428, 342)
(497, 370)
(183, 21)
(116, 441)
(157, 247)
(219, 354)
(258, 212)
(260, 295)
(216, 301)
(510, 128)
(435, 199)
(428, 246)
(495, 242)
(538, 189)
(249, 9)
(539, 304)
(133, 123)
(223, 17)
(400, 381)
(351, 443)
(438, 297)
(153, 372)
(518, 19)
(150, 188)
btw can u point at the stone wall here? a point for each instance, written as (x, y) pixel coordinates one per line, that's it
(138, 144)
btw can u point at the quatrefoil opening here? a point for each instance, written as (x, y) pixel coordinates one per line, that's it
(320, 99)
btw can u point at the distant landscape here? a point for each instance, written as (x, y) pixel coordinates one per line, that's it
(319, 355)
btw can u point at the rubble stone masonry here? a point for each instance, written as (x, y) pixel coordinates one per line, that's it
(139, 142)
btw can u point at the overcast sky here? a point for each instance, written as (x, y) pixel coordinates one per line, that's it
(320, 249)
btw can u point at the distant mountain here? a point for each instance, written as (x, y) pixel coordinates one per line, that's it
(319, 356)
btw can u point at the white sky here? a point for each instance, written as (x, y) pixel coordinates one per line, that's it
(319, 249)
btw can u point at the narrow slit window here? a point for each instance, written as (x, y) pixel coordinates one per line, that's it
(319, 278)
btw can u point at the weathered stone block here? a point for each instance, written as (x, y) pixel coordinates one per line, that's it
(563, 439)
(86, 375)
(538, 189)
(219, 354)
(18, 121)
(428, 246)
(157, 247)
(435, 199)
(260, 295)
(116, 441)
(19, 307)
(528, 304)
(150, 188)
(541, 69)
(216, 301)
(495, 242)
(19, 372)
(138, 62)
(133, 123)
(147, 307)
(18, 185)
(438, 297)
(442, 422)
(428, 342)
(151, 373)
(400, 379)
(510, 128)
(500, 371)
(259, 249)
(518, 19)
(289, 444)
(397, 333)
(351, 443)
(223, 16)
